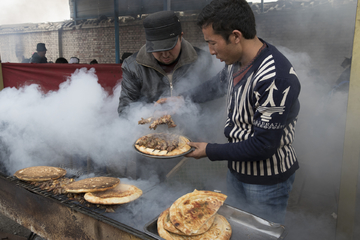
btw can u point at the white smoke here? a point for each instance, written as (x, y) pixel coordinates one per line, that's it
(79, 119)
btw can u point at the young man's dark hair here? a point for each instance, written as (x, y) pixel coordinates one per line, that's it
(228, 15)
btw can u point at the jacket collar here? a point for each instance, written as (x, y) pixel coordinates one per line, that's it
(188, 55)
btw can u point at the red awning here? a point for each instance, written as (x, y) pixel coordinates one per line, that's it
(50, 75)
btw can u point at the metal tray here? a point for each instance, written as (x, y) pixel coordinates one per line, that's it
(244, 226)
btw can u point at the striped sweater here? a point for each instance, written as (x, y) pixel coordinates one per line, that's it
(262, 111)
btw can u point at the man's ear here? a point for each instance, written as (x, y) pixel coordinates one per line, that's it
(237, 36)
(181, 36)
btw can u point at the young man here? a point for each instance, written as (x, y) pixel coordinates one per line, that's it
(262, 108)
(39, 55)
(165, 66)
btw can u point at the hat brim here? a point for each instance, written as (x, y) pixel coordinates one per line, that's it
(161, 45)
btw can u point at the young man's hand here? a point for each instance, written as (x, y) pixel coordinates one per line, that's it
(200, 150)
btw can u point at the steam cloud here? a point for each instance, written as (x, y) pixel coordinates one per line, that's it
(80, 122)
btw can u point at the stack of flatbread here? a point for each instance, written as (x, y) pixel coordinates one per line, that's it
(193, 217)
(104, 190)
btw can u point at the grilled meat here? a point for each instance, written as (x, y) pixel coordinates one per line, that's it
(166, 119)
(143, 141)
(161, 145)
(172, 145)
(145, 120)
(159, 141)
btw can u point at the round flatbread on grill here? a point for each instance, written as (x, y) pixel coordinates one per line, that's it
(122, 193)
(95, 184)
(191, 211)
(219, 230)
(163, 144)
(40, 173)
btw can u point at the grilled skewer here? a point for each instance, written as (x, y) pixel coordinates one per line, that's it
(166, 119)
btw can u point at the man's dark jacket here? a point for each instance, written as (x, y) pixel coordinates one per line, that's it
(35, 58)
(144, 79)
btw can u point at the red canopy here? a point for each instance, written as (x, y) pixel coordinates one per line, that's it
(50, 75)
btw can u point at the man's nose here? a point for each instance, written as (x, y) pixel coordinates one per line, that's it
(165, 53)
(212, 51)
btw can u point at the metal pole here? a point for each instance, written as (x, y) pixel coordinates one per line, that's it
(75, 11)
(116, 25)
(60, 47)
(262, 6)
(351, 155)
(167, 5)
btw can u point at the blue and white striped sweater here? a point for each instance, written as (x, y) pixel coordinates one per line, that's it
(262, 111)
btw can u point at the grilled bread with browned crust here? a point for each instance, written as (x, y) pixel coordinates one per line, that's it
(219, 230)
(95, 184)
(191, 211)
(40, 173)
(122, 193)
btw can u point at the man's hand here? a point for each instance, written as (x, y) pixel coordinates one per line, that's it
(178, 99)
(200, 150)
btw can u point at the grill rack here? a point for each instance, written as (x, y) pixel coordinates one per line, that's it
(93, 211)
(62, 198)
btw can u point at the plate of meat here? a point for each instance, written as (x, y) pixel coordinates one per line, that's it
(162, 145)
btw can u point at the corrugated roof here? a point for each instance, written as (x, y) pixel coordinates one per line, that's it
(104, 21)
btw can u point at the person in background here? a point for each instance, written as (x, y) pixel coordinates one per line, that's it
(61, 60)
(94, 61)
(262, 108)
(166, 65)
(124, 56)
(74, 60)
(39, 55)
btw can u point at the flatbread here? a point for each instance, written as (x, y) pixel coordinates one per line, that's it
(219, 230)
(171, 228)
(191, 211)
(95, 184)
(122, 193)
(40, 173)
(182, 147)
